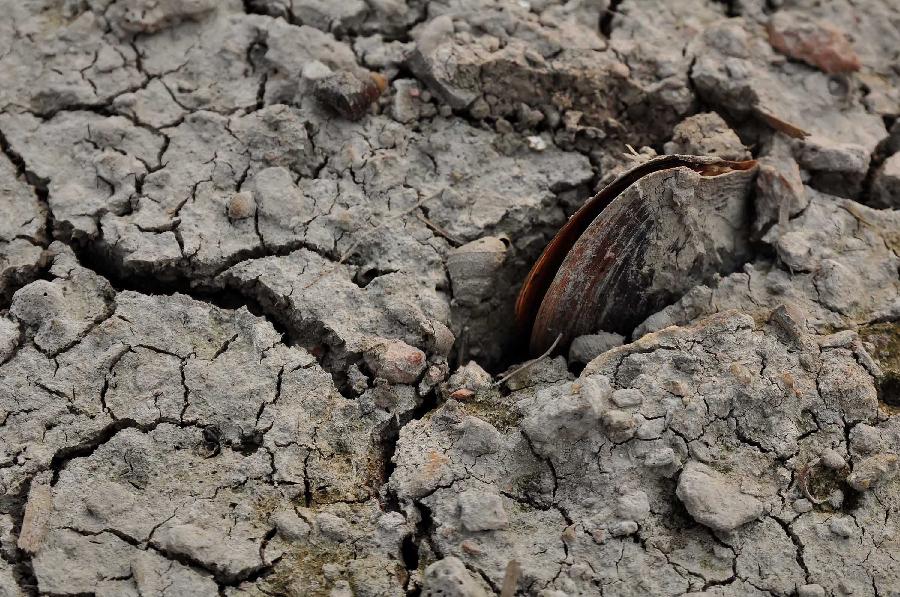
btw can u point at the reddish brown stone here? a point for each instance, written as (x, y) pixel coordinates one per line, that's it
(818, 44)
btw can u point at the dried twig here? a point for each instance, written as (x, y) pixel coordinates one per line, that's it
(438, 229)
(511, 579)
(529, 364)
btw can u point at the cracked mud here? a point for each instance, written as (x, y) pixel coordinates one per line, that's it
(253, 313)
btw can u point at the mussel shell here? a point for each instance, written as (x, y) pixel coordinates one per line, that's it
(658, 230)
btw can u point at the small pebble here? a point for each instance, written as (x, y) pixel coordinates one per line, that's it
(818, 43)
(832, 459)
(314, 70)
(396, 361)
(471, 547)
(789, 318)
(715, 499)
(741, 373)
(462, 394)
(290, 526)
(537, 143)
(623, 528)
(503, 126)
(841, 527)
(466, 382)
(627, 397)
(811, 591)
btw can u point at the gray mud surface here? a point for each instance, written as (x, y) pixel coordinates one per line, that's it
(253, 310)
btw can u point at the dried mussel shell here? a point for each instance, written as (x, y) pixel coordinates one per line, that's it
(656, 231)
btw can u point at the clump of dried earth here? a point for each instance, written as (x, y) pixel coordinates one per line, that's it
(249, 346)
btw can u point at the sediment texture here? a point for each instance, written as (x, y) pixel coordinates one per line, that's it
(252, 316)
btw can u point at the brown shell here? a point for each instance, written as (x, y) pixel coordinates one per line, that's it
(349, 95)
(652, 233)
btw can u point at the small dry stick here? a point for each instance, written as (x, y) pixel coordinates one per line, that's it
(438, 229)
(511, 579)
(529, 364)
